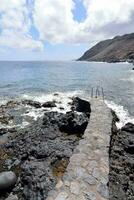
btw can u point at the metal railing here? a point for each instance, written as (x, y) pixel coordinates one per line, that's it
(97, 92)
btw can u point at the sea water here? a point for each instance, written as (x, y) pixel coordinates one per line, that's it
(40, 80)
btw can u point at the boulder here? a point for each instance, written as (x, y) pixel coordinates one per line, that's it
(81, 105)
(7, 180)
(35, 104)
(129, 127)
(56, 94)
(49, 104)
(72, 123)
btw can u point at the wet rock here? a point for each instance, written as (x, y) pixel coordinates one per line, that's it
(7, 180)
(129, 127)
(56, 94)
(81, 105)
(35, 104)
(49, 104)
(61, 108)
(12, 104)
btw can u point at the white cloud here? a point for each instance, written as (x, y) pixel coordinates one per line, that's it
(106, 11)
(15, 24)
(55, 22)
(19, 40)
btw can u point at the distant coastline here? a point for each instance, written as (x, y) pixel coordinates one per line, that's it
(118, 49)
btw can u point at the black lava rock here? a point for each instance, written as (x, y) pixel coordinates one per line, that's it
(121, 176)
(48, 140)
(73, 123)
(49, 104)
(81, 105)
(35, 104)
(129, 127)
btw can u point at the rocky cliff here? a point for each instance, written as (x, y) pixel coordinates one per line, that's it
(118, 49)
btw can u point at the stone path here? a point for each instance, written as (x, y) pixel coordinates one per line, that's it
(86, 176)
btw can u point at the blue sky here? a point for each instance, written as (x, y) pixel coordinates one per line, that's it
(57, 29)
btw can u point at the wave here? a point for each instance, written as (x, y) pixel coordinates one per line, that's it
(62, 101)
(3, 102)
(121, 112)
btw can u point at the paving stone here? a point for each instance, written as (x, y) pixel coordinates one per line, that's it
(67, 183)
(86, 176)
(62, 196)
(90, 180)
(59, 184)
(90, 195)
(80, 172)
(103, 190)
(75, 188)
(96, 173)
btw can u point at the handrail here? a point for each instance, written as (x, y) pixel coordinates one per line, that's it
(97, 92)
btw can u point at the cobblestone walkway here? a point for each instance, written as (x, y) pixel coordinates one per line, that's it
(86, 177)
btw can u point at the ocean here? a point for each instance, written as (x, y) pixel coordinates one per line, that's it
(40, 80)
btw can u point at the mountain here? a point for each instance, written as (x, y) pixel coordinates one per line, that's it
(118, 49)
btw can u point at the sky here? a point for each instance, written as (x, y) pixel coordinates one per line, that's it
(60, 29)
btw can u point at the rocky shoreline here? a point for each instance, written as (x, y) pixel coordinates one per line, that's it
(39, 153)
(121, 155)
(35, 158)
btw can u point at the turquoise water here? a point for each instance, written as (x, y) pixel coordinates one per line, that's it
(40, 78)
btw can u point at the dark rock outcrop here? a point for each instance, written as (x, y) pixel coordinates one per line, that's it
(73, 123)
(121, 176)
(35, 104)
(49, 104)
(81, 105)
(128, 128)
(40, 152)
(118, 49)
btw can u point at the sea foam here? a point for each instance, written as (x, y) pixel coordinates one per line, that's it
(122, 114)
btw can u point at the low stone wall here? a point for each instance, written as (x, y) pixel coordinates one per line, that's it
(86, 177)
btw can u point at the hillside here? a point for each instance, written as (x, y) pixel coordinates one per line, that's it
(120, 48)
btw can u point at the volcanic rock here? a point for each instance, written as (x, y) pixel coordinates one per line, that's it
(49, 104)
(81, 105)
(35, 104)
